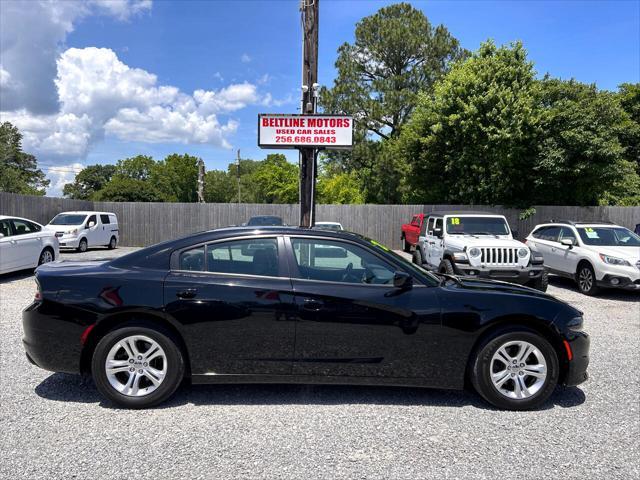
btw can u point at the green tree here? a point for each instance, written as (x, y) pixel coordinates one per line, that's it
(139, 167)
(177, 177)
(219, 187)
(276, 180)
(582, 159)
(19, 172)
(474, 140)
(396, 54)
(339, 188)
(89, 181)
(629, 96)
(126, 189)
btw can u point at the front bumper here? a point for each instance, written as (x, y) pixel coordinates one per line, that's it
(577, 367)
(69, 242)
(507, 274)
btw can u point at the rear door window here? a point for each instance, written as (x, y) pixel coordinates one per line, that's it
(105, 219)
(245, 257)
(5, 228)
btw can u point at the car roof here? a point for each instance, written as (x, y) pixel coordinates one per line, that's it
(463, 212)
(85, 212)
(576, 224)
(6, 217)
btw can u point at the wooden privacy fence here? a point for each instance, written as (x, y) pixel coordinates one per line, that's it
(148, 223)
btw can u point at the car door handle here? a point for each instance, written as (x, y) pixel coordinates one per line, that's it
(187, 293)
(312, 305)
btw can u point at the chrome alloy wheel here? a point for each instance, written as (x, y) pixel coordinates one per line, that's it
(46, 256)
(518, 369)
(136, 366)
(585, 280)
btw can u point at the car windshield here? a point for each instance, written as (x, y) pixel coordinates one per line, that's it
(477, 226)
(264, 221)
(609, 237)
(68, 219)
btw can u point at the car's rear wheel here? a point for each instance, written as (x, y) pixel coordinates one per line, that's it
(586, 279)
(112, 243)
(417, 257)
(46, 256)
(515, 370)
(82, 246)
(137, 366)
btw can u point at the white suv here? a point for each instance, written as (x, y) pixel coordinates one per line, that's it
(81, 230)
(593, 254)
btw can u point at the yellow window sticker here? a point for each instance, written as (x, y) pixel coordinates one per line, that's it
(455, 221)
(378, 244)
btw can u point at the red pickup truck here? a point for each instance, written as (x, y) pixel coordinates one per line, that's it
(411, 232)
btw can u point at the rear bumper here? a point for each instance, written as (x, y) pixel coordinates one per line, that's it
(513, 275)
(577, 370)
(50, 343)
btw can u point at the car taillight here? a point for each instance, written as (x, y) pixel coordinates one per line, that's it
(38, 295)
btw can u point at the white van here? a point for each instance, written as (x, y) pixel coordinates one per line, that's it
(82, 230)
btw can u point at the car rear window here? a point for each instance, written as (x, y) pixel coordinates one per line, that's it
(105, 219)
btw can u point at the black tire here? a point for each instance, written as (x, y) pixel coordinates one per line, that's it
(405, 246)
(481, 370)
(113, 243)
(586, 279)
(417, 257)
(446, 267)
(82, 246)
(541, 283)
(174, 367)
(44, 258)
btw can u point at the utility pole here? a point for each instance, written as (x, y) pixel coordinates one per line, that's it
(200, 181)
(238, 171)
(308, 156)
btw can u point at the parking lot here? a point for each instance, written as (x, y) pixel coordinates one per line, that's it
(56, 426)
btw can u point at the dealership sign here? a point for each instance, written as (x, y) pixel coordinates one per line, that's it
(299, 131)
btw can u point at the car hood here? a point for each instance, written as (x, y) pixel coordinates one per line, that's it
(61, 228)
(503, 287)
(483, 241)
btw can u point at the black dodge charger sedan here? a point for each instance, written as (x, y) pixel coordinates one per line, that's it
(287, 304)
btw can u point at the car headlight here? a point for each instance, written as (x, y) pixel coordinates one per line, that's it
(614, 260)
(575, 323)
(474, 252)
(459, 256)
(523, 252)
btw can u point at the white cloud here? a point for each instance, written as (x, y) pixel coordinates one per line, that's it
(31, 34)
(60, 176)
(245, 58)
(98, 94)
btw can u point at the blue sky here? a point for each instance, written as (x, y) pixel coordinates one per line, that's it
(211, 45)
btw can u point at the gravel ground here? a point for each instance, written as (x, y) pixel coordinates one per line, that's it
(54, 426)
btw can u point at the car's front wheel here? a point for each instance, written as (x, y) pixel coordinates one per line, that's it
(83, 246)
(587, 280)
(137, 366)
(515, 370)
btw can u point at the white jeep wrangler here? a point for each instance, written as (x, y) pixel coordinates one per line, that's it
(478, 244)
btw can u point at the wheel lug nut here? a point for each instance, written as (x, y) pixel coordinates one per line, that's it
(139, 357)
(146, 364)
(132, 369)
(521, 365)
(131, 360)
(513, 374)
(140, 371)
(521, 372)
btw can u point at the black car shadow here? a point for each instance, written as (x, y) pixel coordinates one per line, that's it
(18, 275)
(74, 388)
(604, 293)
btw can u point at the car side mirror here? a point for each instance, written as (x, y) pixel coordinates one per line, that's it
(90, 224)
(515, 234)
(568, 242)
(402, 280)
